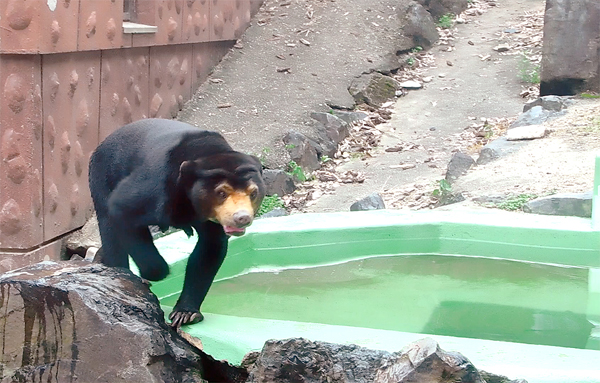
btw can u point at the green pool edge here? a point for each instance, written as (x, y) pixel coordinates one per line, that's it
(321, 239)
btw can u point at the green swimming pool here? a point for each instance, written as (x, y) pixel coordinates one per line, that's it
(518, 294)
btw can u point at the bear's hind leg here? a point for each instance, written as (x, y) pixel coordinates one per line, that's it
(140, 246)
(111, 253)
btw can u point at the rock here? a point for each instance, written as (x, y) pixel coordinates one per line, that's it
(502, 48)
(551, 103)
(350, 117)
(419, 27)
(493, 378)
(370, 202)
(490, 199)
(278, 182)
(570, 52)
(439, 8)
(83, 239)
(373, 89)
(459, 164)
(450, 198)
(411, 85)
(277, 212)
(425, 361)
(496, 149)
(300, 360)
(568, 204)
(331, 130)
(528, 132)
(302, 150)
(75, 321)
(534, 116)
(394, 60)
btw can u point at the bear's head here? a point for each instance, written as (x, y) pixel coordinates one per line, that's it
(226, 188)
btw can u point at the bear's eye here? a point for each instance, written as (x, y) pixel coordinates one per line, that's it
(222, 194)
(254, 194)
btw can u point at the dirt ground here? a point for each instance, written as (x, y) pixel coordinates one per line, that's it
(300, 56)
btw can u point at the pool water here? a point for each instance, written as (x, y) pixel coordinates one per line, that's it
(444, 295)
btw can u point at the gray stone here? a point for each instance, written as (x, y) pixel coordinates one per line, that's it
(528, 132)
(83, 239)
(534, 116)
(373, 89)
(496, 149)
(502, 48)
(350, 117)
(425, 361)
(459, 164)
(278, 182)
(419, 28)
(490, 199)
(568, 204)
(277, 212)
(411, 85)
(493, 378)
(300, 360)
(370, 202)
(76, 321)
(439, 8)
(450, 198)
(571, 47)
(331, 130)
(551, 103)
(302, 151)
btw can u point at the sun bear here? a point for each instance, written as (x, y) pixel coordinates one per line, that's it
(171, 174)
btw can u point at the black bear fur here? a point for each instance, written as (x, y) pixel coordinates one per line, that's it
(168, 173)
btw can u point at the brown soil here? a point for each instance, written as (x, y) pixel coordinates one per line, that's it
(471, 89)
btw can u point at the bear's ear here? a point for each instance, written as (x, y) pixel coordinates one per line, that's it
(188, 170)
(194, 170)
(258, 164)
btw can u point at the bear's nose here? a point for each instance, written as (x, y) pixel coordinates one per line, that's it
(242, 218)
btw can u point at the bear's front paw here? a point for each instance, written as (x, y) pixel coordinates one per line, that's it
(180, 318)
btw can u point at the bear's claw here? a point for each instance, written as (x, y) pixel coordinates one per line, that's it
(180, 318)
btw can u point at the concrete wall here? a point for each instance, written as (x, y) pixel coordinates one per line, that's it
(571, 51)
(70, 75)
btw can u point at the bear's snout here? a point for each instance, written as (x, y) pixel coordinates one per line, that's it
(242, 218)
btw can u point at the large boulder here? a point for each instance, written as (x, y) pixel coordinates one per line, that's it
(302, 150)
(373, 89)
(570, 54)
(331, 130)
(439, 8)
(418, 28)
(278, 182)
(301, 360)
(76, 321)
(567, 204)
(459, 164)
(371, 202)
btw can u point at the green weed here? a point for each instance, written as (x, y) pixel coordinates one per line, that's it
(589, 95)
(270, 203)
(410, 61)
(528, 71)
(444, 188)
(516, 203)
(445, 21)
(296, 171)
